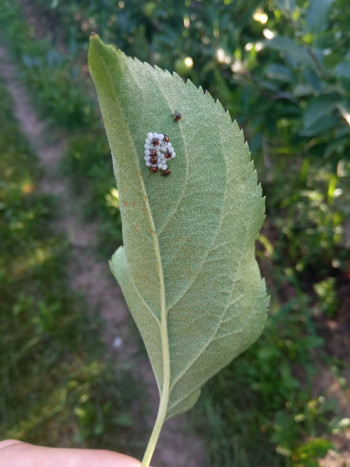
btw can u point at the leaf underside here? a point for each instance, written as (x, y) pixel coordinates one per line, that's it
(187, 268)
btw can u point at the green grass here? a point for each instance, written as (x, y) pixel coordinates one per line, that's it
(57, 386)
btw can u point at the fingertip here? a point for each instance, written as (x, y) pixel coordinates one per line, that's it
(8, 442)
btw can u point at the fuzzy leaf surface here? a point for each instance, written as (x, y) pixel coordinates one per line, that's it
(187, 267)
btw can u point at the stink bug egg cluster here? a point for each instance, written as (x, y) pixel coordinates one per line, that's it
(158, 151)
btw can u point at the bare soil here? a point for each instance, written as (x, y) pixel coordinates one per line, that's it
(336, 334)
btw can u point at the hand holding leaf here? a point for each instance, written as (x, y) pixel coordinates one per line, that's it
(187, 268)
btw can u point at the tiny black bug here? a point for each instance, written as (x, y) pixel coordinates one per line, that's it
(155, 141)
(176, 115)
(166, 138)
(166, 172)
(154, 158)
(167, 154)
(153, 169)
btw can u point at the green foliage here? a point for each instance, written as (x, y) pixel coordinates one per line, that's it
(327, 296)
(57, 89)
(306, 64)
(309, 200)
(313, 449)
(51, 74)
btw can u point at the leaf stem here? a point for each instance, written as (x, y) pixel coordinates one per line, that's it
(165, 390)
(164, 397)
(163, 404)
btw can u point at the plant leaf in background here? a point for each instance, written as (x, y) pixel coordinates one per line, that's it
(317, 15)
(187, 268)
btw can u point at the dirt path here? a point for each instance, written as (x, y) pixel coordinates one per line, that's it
(90, 275)
(336, 333)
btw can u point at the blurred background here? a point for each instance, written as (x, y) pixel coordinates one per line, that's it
(282, 68)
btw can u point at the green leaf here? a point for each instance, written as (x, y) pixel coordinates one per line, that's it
(312, 450)
(317, 15)
(293, 52)
(285, 5)
(318, 108)
(187, 268)
(303, 90)
(321, 126)
(342, 70)
(279, 72)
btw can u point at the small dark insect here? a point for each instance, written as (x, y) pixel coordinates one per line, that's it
(153, 169)
(166, 138)
(167, 154)
(177, 116)
(166, 172)
(155, 141)
(153, 155)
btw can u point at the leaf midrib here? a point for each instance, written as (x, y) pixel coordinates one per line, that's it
(163, 315)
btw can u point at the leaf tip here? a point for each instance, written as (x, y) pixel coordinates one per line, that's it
(94, 40)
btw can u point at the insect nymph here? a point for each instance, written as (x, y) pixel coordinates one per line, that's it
(176, 115)
(158, 151)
